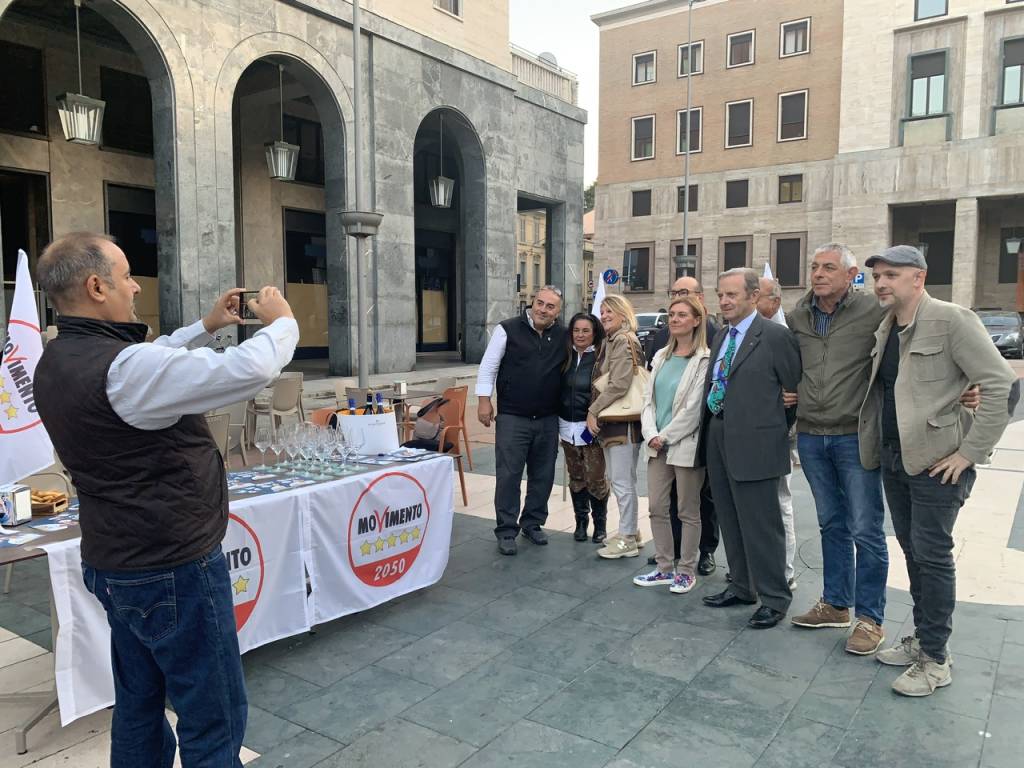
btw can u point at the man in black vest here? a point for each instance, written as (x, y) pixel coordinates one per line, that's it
(125, 417)
(524, 359)
(688, 286)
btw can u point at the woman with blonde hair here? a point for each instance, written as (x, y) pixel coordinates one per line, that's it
(620, 441)
(671, 417)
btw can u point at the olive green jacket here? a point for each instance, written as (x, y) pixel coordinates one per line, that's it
(835, 366)
(943, 351)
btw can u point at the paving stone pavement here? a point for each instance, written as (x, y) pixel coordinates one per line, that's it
(553, 658)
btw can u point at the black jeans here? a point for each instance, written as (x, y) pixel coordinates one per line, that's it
(923, 513)
(521, 442)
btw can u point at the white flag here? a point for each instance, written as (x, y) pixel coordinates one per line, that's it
(24, 445)
(779, 316)
(598, 298)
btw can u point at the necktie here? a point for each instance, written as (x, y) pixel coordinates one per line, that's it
(716, 397)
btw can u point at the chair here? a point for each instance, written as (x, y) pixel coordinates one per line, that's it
(238, 430)
(219, 424)
(451, 414)
(352, 393)
(322, 416)
(286, 400)
(459, 395)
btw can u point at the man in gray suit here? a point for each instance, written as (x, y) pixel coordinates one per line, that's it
(747, 446)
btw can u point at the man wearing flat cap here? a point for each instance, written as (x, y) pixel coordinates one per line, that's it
(927, 353)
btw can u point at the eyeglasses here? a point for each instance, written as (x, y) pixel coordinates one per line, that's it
(683, 292)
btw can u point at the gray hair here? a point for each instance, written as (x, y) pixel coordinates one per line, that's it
(553, 289)
(849, 261)
(751, 280)
(775, 292)
(67, 262)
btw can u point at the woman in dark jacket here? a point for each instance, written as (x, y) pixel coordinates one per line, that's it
(584, 459)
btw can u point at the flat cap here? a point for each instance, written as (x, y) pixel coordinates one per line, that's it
(899, 256)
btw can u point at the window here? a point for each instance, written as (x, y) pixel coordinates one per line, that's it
(536, 275)
(791, 189)
(636, 268)
(454, 7)
(788, 258)
(643, 138)
(644, 67)
(929, 9)
(128, 117)
(928, 84)
(691, 59)
(938, 252)
(793, 116)
(1008, 262)
(681, 201)
(690, 264)
(741, 49)
(308, 135)
(131, 218)
(641, 202)
(22, 89)
(795, 38)
(522, 274)
(737, 193)
(522, 229)
(738, 119)
(696, 119)
(1013, 71)
(734, 252)
(305, 247)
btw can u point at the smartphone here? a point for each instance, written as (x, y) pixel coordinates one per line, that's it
(244, 313)
(586, 437)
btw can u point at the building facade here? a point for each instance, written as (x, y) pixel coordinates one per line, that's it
(194, 93)
(872, 123)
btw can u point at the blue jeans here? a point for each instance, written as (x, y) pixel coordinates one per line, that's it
(172, 636)
(848, 499)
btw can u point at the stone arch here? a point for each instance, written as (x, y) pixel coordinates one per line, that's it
(471, 244)
(174, 146)
(333, 102)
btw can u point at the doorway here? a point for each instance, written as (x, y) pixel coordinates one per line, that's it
(435, 291)
(25, 225)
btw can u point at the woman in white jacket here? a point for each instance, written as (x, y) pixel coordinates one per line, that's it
(670, 420)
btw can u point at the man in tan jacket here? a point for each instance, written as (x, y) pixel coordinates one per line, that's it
(927, 353)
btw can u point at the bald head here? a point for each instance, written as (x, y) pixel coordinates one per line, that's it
(686, 286)
(770, 300)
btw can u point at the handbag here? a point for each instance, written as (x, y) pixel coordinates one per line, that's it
(630, 405)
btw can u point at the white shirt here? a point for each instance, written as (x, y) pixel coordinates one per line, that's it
(152, 385)
(491, 361)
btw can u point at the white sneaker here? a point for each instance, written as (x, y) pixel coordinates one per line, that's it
(923, 677)
(653, 579)
(618, 546)
(682, 584)
(905, 653)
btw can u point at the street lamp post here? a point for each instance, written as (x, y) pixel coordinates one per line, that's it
(679, 258)
(359, 223)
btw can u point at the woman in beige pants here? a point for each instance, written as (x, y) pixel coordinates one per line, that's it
(671, 428)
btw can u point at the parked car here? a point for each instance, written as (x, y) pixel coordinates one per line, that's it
(648, 323)
(1006, 329)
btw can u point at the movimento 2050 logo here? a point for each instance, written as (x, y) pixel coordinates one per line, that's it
(387, 528)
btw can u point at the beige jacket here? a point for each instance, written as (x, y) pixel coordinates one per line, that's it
(616, 358)
(682, 434)
(943, 351)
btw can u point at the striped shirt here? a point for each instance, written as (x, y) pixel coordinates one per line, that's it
(822, 319)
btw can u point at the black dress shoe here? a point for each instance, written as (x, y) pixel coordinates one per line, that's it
(765, 618)
(536, 535)
(652, 560)
(507, 545)
(706, 564)
(724, 600)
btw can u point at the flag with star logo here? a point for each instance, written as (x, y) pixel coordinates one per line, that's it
(25, 446)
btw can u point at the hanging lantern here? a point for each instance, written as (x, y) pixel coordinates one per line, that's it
(441, 187)
(282, 157)
(81, 117)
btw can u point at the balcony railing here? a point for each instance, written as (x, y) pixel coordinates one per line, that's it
(544, 76)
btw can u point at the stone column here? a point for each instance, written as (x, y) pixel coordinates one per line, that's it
(965, 252)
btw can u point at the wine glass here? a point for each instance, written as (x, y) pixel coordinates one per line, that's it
(262, 442)
(357, 442)
(324, 449)
(306, 438)
(341, 448)
(291, 446)
(277, 447)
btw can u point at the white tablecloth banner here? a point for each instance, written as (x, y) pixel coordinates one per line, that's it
(383, 535)
(271, 543)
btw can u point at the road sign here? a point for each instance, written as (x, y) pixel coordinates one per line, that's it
(859, 279)
(610, 276)
(590, 284)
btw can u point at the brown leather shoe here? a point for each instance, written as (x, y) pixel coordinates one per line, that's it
(866, 638)
(823, 615)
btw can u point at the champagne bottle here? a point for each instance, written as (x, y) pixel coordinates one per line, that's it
(380, 403)
(351, 410)
(368, 410)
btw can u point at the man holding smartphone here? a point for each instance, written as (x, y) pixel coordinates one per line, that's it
(126, 419)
